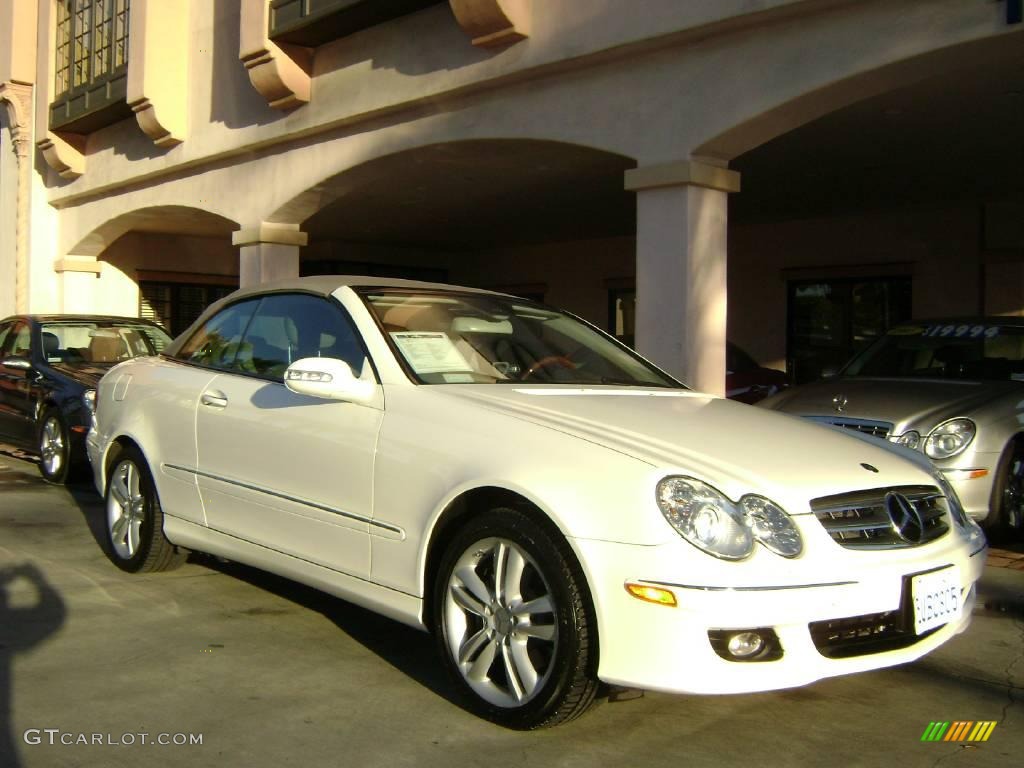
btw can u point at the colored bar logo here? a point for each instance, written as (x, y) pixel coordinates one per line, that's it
(959, 730)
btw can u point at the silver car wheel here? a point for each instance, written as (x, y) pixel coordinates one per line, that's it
(499, 617)
(126, 508)
(51, 446)
(1013, 493)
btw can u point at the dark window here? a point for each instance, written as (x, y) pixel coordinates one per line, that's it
(176, 306)
(832, 320)
(314, 22)
(289, 327)
(217, 343)
(91, 65)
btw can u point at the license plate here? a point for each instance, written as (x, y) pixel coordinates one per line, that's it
(936, 598)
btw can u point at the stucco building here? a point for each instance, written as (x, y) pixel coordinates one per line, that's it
(794, 174)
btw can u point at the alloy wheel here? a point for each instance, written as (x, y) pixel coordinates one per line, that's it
(1013, 493)
(51, 446)
(126, 509)
(499, 616)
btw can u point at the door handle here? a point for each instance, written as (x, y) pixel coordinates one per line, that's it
(214, 398)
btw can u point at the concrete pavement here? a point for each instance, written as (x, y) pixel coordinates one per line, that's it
(270, 673)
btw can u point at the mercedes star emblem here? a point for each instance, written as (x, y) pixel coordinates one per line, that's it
(906, 520)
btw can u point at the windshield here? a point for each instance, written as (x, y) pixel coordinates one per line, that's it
(453, 338)
(99, 343)
(967, 351)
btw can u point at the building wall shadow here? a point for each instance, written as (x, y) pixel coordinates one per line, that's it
(30, 611)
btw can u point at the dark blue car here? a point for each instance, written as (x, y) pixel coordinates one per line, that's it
(49, 367)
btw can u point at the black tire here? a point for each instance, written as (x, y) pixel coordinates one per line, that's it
(522, 669)
(1006, 519)
(53, 443)
(134, 518)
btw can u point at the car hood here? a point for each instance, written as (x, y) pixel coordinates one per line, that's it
(738, 448)
(905, 403)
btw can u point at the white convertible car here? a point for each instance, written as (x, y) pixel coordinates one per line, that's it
(555, 509)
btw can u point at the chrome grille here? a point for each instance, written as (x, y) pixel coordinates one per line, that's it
(880, 429)
(860, 520)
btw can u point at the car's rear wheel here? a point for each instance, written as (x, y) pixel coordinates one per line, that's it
(135, 520)
(54, 448)
(1008, 493)
(513, 622)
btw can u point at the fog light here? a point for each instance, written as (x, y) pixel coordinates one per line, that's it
(756, 644)
(743, 645)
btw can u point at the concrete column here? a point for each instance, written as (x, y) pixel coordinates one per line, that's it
(76, 284)
(268, 252)
(682, 220)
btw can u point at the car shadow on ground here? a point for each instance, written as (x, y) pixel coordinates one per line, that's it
(408, 650)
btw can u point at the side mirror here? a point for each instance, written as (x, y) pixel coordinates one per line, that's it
(330, 379)
(17, 363)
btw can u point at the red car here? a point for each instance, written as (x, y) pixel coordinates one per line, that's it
(748, 382)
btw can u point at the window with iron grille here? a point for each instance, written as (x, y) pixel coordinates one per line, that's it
(176, 306)
(91, 65)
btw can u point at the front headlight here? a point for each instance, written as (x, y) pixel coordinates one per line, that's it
(772, 526)
(709, 520)
(911, 439)
(949, 438)
(89, 399)
(705, 517)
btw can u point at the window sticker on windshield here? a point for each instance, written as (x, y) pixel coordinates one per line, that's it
(430, 352)
(962, 331)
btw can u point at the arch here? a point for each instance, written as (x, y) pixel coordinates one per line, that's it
(805, 106)
(160, 219)
(511, 164)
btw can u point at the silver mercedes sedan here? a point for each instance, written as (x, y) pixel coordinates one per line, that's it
(953, 389)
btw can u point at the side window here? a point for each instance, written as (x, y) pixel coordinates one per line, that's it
(288, 327)
(5, 331)
(218, 342)
(19, 342)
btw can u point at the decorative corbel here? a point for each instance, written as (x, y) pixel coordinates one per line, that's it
(280, 73)
(157, 77)
(492, 23)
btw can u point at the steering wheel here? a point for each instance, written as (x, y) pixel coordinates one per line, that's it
(547, 362)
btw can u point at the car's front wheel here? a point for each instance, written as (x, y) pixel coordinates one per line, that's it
(1008, 493)
(54, 448)
(513, 621)
(135, 520)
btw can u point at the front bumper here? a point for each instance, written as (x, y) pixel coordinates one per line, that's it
(975, 493)
(656, 647)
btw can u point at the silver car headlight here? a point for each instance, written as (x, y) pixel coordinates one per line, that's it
(911, 439)
(949, 438)
(709, 520)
